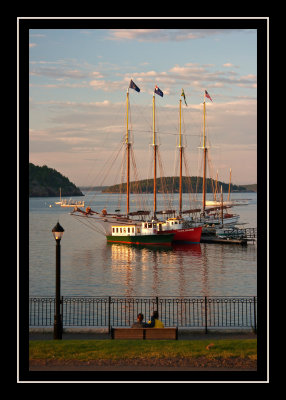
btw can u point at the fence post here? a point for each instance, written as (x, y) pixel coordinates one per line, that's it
(206, 315)
(109, 306)
(254, 313)
(62, 309)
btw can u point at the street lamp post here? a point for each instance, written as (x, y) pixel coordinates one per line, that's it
(58, 232)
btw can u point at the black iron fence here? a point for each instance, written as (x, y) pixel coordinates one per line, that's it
(193, 312)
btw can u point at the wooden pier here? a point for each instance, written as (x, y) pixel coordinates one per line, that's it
(215, 239)
(234, 236)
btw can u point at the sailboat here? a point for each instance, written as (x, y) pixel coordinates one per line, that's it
(214, 215)
(69, 203)
(228, 202)
(59, 202)
(121, 228)
(176, 225)
(72, 203)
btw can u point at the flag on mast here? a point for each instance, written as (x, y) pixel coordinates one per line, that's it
(158, 91)
(183, 94)
(207, 95)
(133, 86)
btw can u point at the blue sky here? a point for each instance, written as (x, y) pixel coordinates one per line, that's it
(78, 82)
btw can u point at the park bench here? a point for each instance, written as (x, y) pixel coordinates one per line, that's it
(144, 333)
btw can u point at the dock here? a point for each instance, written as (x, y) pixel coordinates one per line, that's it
(232, 236)
(214, 239)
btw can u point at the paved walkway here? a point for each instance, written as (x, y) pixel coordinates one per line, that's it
(183, 334)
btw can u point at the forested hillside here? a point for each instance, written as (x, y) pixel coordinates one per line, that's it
(46, 182)
(193, 184)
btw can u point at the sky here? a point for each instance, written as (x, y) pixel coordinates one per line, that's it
(78, 79)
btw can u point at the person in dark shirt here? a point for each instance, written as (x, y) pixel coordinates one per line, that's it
(155, 322)
(139, 323)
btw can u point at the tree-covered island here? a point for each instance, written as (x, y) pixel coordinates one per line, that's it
(47, 182)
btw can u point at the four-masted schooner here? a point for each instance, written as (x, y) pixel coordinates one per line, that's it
(124, 229)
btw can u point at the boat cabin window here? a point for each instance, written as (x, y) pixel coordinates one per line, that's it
(138, 230)
(120, 230)
(149, 225)
(128, 229)
(133, 230)
(116, 230)
(113, 230)
(145, 225)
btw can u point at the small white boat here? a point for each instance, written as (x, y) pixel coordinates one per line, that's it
(227, 203)
(69, 203)
(72, 203)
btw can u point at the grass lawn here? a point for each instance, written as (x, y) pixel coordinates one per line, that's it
(86, 350)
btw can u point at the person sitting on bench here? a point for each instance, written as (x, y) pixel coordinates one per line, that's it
(155, 322)
(139, 323)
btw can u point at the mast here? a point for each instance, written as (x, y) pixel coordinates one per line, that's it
(229, 185)
(155, 158)
(221, 199)
(205, 157)
(181, 164)
(128, 157)
(215, 185)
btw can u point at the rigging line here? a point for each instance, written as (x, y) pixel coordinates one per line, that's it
(118, 176)
(166, 196)
(109, 168)
(110, 163)
(189, 180)
(121, 171)
(175, 173)
(148, 184)
(166, 133)
(102, 173)
(87, 223)
(140, 202)
(211, 173)
(200, 167)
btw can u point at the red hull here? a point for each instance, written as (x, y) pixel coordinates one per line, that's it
(189, 235)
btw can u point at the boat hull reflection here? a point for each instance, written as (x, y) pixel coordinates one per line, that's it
(194, 248)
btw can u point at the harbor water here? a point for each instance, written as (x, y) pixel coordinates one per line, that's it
(92, 267)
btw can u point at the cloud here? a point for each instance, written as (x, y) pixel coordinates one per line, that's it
(161, 35)
(82, 129)
(97, 84)
(193, 75)
(56, 72)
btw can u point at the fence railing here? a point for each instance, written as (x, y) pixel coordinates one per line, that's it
(194, 312)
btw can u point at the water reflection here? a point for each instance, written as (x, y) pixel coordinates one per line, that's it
(181, 270)
(93, 267)
(150, 268)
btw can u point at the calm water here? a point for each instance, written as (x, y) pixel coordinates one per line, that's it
(91, 267)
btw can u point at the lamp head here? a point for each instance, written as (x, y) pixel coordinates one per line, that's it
(58, 231)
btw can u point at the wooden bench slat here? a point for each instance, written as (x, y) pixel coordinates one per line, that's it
(128, 333)
(145, 333)
(161, 333)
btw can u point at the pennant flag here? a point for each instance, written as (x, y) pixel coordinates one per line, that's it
(183, 94)
(133, 86)
(158, 91)
(207, 95)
